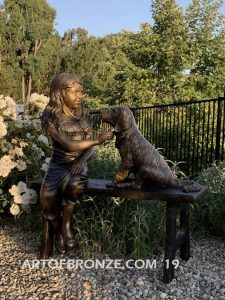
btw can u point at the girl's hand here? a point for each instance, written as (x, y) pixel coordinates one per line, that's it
(106, 136)
(77, 167)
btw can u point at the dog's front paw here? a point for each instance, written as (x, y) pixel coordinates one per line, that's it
(111, 184)
(136, 186)
(119, 177)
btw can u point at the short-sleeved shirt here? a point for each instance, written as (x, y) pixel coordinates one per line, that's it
(75, 129)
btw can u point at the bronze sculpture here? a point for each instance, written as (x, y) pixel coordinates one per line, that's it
(138, 156)
(68, 126)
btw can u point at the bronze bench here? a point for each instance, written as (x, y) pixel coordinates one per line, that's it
(176, 200)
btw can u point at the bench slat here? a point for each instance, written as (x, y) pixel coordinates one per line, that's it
(97, 187)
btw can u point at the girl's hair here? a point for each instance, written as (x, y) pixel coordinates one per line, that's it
(60, 82)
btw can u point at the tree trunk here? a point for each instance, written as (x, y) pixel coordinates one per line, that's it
(29, 84)
(37, 46)
(23, 89)
(0, 53)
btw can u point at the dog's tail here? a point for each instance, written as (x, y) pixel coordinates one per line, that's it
(187, 186)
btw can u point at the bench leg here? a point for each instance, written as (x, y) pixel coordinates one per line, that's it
(184, 225)
(47, 240)
(170, 242)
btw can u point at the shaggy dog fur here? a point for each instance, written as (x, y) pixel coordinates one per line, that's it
(138, 156)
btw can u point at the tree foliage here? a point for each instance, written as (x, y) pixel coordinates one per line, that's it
(28, 26)
(179, 57)
(206, 27)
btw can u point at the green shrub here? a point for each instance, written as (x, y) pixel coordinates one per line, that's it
(119, 227)
(104, 162)
(209, 213)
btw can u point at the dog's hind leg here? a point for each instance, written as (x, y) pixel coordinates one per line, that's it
(137, 183)
(120, 176)
(151, 175)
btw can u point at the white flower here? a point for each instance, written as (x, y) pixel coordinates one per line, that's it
(18, 199)
(29, 136)
(14, 209)
(36, 123)
(19, 151)
(39, 101)
(45, 165)
(43, 139)
(25, 198)
(32, 195)
(21, 165)
(8, 107)
(19, 122)
(14, 190)
(14, 141)
(20, 109)
(3, 128)
(16, 151)
(18, 189)
(22, 186)
(47, 160)
(23, 144)
(2, 102)
(23, 195)
(6, 165)
(38, 151)
(23, 121)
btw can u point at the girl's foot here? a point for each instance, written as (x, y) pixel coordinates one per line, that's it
(59, 243)
(69, 237)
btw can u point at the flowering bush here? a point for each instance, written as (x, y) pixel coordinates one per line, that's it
(38, 102)
(7, 107)
(23, 154)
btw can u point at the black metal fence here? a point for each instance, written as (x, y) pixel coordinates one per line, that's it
(192, 133)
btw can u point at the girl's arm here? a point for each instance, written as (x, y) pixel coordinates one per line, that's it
(73, 146)
(79, 164)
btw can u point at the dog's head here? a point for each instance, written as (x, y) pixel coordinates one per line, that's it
(120, 117)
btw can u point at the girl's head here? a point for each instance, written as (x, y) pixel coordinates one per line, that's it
(61, 83)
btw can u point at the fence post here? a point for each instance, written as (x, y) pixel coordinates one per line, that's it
(218, 129)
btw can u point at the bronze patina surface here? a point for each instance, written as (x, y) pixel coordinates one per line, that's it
(139, 156)
(68, 126)
(177, 234)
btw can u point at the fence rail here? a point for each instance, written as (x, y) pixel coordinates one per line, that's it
(190, 132)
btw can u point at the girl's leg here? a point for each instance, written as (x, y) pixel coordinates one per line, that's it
(72, 193)
(52, 228)
(47, 240)
(67, 226)
(59, 240)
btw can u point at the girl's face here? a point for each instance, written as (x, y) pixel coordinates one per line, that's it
(73, 96)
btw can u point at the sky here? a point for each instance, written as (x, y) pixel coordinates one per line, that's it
(102, 17)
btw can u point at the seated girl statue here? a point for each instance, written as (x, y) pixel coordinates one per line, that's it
(68, 126)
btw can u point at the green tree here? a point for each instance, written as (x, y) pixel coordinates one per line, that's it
(130, 77)
(170, 55)
(139, 79)
(2, 32)
(28, 26)
(82, 52)
(207, 52)
(49, 63)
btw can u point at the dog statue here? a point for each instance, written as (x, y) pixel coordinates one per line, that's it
(138, 156)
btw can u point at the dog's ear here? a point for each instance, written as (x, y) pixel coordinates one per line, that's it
(125, 119)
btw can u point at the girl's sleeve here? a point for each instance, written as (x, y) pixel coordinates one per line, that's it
(47, 121)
